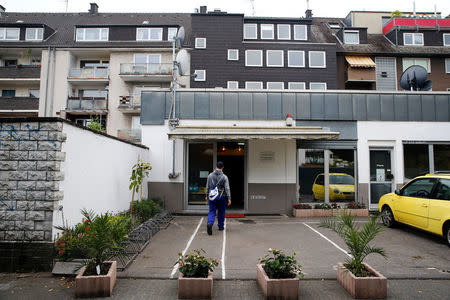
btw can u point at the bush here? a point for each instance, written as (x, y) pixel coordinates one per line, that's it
(354, 205)
(323, 206)
(146, 209)
(281, 265)
(302, 206)
(195, 265)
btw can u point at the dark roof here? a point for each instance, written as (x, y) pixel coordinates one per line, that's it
(64, 24)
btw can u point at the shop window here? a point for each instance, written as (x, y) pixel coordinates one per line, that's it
(441, 157)
(311, 171)
(342, 175)
(415, 157)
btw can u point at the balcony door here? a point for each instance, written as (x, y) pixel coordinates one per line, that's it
(147, 63)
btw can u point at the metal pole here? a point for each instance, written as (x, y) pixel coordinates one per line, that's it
(326, 166)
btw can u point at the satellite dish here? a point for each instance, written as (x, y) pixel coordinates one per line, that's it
(182, 61)
(415, 78)
(180, 37)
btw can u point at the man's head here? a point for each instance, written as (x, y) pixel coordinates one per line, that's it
(219, 165)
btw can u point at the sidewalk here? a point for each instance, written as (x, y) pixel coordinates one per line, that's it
(45, 286)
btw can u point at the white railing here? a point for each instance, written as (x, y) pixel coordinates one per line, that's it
(89, 73)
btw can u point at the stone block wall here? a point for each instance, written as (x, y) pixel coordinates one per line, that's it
(30, 175)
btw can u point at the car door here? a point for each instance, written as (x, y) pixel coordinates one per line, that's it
(413, 204)
(318, 188)
(439, 209)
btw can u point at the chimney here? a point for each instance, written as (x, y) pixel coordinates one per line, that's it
(2, 9)
(203, 9)
(94, 9)
(308, 14)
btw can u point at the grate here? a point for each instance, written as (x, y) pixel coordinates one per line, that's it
(247, 221)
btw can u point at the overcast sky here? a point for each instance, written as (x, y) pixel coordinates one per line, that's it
(276, 8)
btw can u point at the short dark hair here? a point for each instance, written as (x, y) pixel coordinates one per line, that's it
(219, 165)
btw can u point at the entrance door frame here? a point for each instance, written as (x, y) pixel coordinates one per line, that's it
(391, 150)
(186, 172)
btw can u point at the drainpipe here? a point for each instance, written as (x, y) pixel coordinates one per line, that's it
(52, 82)
(172, 114)
(46, 82)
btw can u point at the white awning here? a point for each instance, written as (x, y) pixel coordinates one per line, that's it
(251, 133)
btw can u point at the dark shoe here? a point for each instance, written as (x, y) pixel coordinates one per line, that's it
(220, 229)
(209, 229)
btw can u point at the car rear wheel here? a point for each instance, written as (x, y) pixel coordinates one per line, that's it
(447, 234)
(387, 217)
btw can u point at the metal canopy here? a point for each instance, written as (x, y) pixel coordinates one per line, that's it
(251, 133)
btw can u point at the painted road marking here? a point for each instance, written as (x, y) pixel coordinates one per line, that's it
(175, 268)
(224, 243)
(333, 243)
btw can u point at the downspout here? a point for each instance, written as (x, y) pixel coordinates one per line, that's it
(52, 82)
(46, 83)
(172, 115)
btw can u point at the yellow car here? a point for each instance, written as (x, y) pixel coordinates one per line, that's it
(424, 203)
(342, 187)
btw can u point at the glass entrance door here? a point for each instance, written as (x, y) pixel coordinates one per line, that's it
(200, 164)
(381, 177)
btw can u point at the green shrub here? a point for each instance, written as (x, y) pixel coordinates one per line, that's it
(196, 265)
(145, 209)
(281, 265)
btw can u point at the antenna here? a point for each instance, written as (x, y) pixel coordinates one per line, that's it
(307, 4)
(252, 2)
(415, 79)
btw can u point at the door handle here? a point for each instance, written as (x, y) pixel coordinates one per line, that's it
(424, 205)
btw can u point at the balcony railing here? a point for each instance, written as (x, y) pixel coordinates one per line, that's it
(146, 69)
(131, 101)
(89, 73)
(21, 71)
(131, 135)
(360, 74)
(19, 103)
(87, 103)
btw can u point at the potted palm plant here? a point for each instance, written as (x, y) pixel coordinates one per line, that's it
(357, 277)
(278, 275)
(196, 275)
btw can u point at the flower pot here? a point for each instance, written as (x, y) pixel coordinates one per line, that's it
(302, 213)
(363, 287)
(96, 285)
(195, 288)
(276, 288)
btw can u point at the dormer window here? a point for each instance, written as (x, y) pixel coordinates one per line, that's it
(9, 34)
(149, 34)
(334, 25)
(413, 39)
(351, 37)
(446, 38)
(171, 33)
(34, 34)
(267, 31)
(92, 34)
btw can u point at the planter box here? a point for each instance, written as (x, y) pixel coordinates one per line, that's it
(302, 213)
(96, 285)
(363, 287)
(195, 288)
(277, 288)
(309, 213)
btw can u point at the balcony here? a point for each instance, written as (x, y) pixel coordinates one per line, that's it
(88, 75)
(146, 72)
(19, 106)
(92, 105)
(130, 135)
(416, 23)
(360, 74)
(20, 74)
(130, 104)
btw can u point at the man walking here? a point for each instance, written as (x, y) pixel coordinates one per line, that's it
(223, 198)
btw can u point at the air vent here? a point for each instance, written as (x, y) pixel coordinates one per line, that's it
(19, 21)
(266, 155)
(146, 22)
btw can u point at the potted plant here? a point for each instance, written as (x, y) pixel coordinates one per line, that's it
(278, 275)
(196, 275)
(302, 210)
(322, 210)
(357, 277)
(356, 209)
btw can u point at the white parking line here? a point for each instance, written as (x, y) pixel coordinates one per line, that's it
(224, 243)
(175, 268)
(333, 243)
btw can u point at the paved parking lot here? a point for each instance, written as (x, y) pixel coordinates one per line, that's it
(412, 253)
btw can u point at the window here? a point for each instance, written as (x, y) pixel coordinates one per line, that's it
(446, 38)
(443, 189)
(200, 75)
(250, 31)
(147, 63)
(351, 37)
(300, 32)
(171, 33)
(34, 93)
(447, 65)
(334, 25)
(441, 155)
(232, 85)
(296, 86)
(296, 59)
(275, 85)
(317, 86)
(253, 85)
(413, 39)
(8, 93)
(94, 64)
(424, 62)
(34, 34)
(92, 34)
(200, 43)
(233, 54)
(149, 34)
(94, 93)
(317, 59)
(9, 34)
(415, 158)
(274, 58)
(10, 62)
(253, 58)
(267, 31)
(284, 31)
(420, 188)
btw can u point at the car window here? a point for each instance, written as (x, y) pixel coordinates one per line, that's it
(443, 189)
(319, 180)
(420, 188)
(341, 179)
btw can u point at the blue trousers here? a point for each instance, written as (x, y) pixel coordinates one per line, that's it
(219, 205)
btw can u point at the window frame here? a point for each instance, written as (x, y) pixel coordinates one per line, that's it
(246, 56)
(234, 82)
(278, 31)
(277, 82)
(306, 32)
(168, 31)
(197, 40)
(228, 54)
(272, 30)
(447, 65)
(201, 71)
(77, 39)
(36, 33)
(5, 29)
(149, 29)
(255, 26)
(259, 82)
(275, 51)
(443, 39)
(289, 60)
(413, 40)
(414, 63)
(300, 82)
(324, 59)
(322, 83)
(351, 31)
